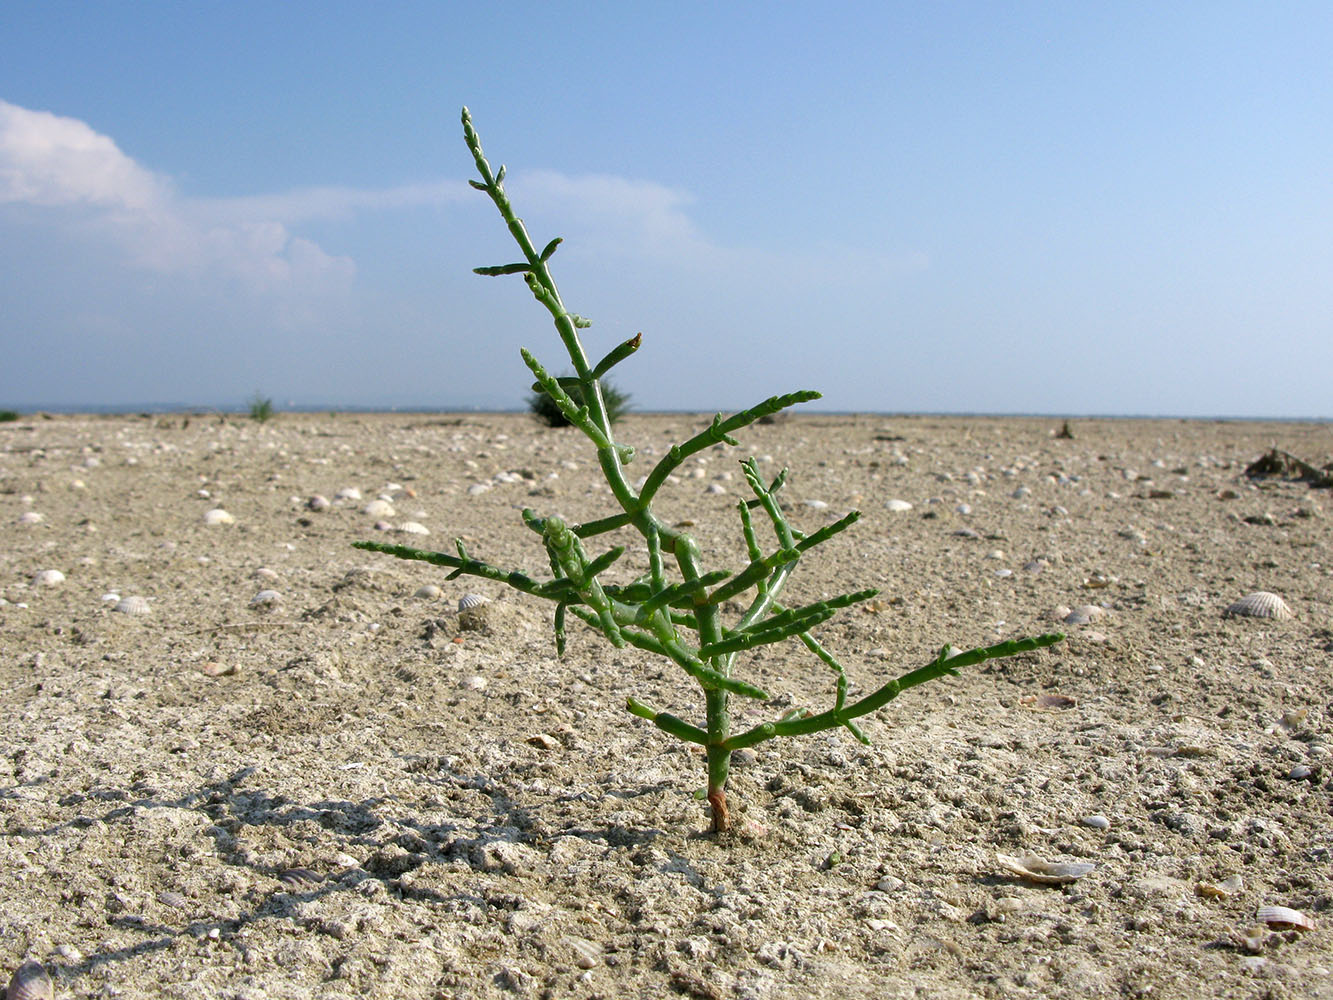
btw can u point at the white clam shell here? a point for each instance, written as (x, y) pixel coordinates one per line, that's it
(413, 528)
(348, 493)
(218, 516)
(898, 505)
(48, 578)
(31, 982)
(266, 599)
(428, 592)
(1034, 869)
(1260, 604)
(30, 517)
(469, 601)
(378, 508)
(132, 605)
(1085, 615)
(1284, 917)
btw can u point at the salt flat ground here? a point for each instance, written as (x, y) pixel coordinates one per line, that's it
(342, 792)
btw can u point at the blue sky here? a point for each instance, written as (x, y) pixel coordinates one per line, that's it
(1057, 208)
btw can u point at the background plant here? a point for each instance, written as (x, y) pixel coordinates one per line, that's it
(674, 608)
(545, 409)
(261, 408)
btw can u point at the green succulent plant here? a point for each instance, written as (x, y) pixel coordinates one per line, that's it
(675, 607)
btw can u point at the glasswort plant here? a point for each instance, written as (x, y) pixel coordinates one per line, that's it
(675, 609)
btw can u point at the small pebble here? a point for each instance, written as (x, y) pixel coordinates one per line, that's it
(48, 578)
(1096, 822)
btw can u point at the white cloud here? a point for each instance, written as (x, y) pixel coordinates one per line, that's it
(49, 160)
(63, 164)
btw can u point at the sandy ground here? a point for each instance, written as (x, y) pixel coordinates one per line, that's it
(344, 792)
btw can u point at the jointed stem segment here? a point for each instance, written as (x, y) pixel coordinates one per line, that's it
(676, 613)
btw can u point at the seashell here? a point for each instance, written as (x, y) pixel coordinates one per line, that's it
(1034, 869)
(897, 505)
(30, 517)
(264, 573)
(413, 528)
(469, 601)
(132, 605)
(1084, 615)
(48, 578)
(348, 493)
(218, 516)
(31, 982)
(266, 599)
(1285, 918)
(110, 597)
(1097, 822)
(378, 508)
(173, 899)
(318, 502)
(428, 592)
(1220, 890)
(300, 878)
(1260, 604)
(815, 504)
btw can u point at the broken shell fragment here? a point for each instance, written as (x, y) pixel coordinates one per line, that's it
(1260, 604)
(300, 878)
(1285, 918)
(1034, 869)
(31, 982)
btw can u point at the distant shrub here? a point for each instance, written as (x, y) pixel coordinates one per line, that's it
(8, 416)
(261, 408)
(544, 409)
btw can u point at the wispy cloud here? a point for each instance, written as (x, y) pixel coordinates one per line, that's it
(644, 219)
